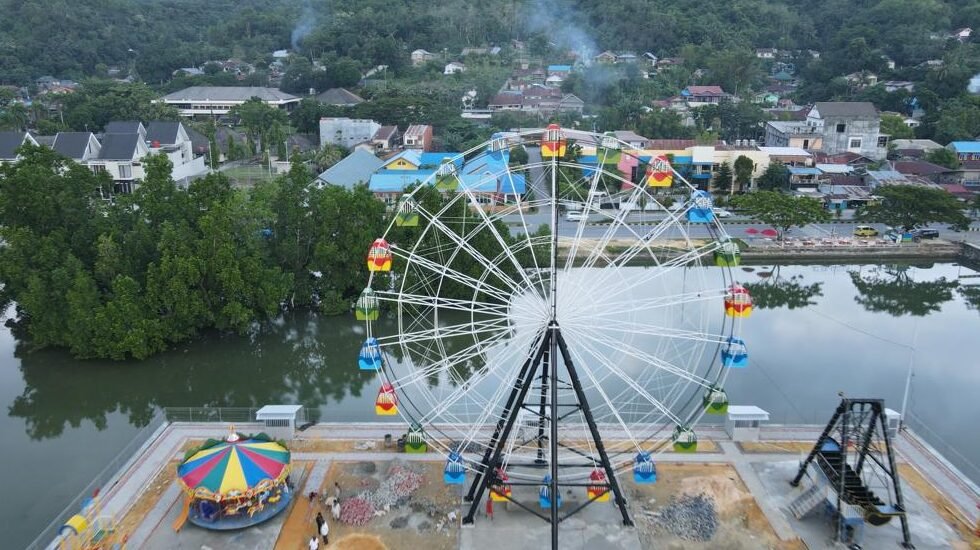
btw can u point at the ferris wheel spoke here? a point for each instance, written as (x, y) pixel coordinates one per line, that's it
(464, 245)
(442, 303)
(583, 365)
(617, 223)
(636, 353)
(629, 381)
(667, 267)
(573, 251)
(665, 332)
(457, 276)
(448, 331)
(618, 309)
(505, 247)
(431, 368)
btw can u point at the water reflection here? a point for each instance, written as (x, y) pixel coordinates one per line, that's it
(776, 291)
(894, 290)
(297, 359)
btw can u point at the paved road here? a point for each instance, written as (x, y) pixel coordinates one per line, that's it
(539, 187)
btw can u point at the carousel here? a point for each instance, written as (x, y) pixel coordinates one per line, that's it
(235, 483)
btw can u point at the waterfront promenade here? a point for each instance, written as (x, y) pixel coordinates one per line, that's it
(761, 467)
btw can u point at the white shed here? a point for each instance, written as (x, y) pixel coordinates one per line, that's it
(743, 421)
(279, 420)
(893, 421)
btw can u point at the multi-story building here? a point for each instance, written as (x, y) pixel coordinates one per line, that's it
(346, 132)
(220, 100)
(418, 136)
(833, 127)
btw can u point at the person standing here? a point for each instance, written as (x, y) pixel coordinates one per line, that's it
(490, 508)
(314, 543)
(325, 532)
(319, 521)
(335, 509)
(336, 490)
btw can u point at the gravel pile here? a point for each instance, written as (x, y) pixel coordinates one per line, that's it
(396, 487)
(689, 517)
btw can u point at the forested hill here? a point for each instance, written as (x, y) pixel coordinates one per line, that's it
(77, 38)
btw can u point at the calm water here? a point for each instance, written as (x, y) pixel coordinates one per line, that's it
(821, 333)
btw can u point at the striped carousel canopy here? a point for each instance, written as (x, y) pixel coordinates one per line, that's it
(234, 466)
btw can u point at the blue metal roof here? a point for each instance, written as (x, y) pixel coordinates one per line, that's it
(391, 181)
(560, 68)
(803, 171)
(437, 158)
(966, 146)
(355, 168)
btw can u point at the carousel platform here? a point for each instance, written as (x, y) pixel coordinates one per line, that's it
(231, 523)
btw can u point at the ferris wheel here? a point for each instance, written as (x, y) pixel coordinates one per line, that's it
(561, 319)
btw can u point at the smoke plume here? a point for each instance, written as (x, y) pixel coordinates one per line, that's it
(304, 26)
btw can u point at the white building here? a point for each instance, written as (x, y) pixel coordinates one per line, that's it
(454, 67)
(346, 132)
(219, 100)
(171, 139)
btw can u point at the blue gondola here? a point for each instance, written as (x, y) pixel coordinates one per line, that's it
(544, 494)
(455, 472)
(370, 356)
(644, 470)
(700, 211)
(734, 354)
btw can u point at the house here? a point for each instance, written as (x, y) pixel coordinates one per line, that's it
(405, 160)
(766, 53)
(927, 170)
(968, 153)
(626, 57)
(559, 70)
(554, 80)
(339, 97)
(80, 147)
(421, 57)
(171, 139)
(121, 157)
(188, 71)
(790, 156)
(220, 100)
(385, 139)
(651, 58)
(354, 169)
(632, 138)
(280, 54)
(605, 57)
(697, 96)
(454, 67)
(418, 136)
(895, 85)
(506, 101)
(571, 103)
(346, 132)
(852, 126)
(846, 158)
(862, 79)
(914, 148)
(877, 178)
(665, 62)
(10, 142)
(889, 62)
(126, 127)
(805, 176)
(781, 133)
(962, 34)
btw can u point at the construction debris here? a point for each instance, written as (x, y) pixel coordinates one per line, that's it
(689, 517)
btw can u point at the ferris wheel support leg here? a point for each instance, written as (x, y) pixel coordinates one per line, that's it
(502, 431)
(597, 439)
(542, 411)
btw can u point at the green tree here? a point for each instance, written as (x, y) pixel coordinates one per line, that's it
(782, 211)
(306, 116)
(260, 121)
(943, 157)
(743, 172)
(894, 290)
(776, 176)
(911, 206)
(895, 127)
(723, 179)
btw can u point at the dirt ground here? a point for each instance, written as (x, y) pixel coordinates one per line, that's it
(764, 447)
(420, 521)
(741, 523)
(149, 498)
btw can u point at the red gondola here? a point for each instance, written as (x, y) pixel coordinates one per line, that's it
(552, 142)
(379, 256)
(387, 402)
(738, 302)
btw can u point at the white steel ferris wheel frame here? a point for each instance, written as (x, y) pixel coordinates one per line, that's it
(601, 315)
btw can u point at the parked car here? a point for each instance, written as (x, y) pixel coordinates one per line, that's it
(721, 212)
(865, 231)
(576, 215)
(925, 234)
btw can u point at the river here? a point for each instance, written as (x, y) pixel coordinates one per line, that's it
(817, 330)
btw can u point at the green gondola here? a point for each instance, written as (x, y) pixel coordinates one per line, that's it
(366, 308)
(415, 439)
(715, 400)
(728, 255)
(408, 215)
(684, 439)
